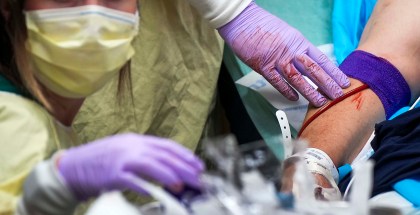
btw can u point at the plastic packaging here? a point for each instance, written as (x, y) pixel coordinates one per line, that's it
(257, 195)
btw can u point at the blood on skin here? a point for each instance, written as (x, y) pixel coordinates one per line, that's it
(358, 99)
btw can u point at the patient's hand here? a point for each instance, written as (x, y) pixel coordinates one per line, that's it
(322, 189)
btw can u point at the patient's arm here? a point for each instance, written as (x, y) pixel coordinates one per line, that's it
(392, 33)
(334, 131)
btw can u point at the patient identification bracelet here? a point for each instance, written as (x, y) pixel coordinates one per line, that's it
(317, 161)
(331, 104)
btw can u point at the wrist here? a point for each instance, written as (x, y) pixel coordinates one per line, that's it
(341, 130)
(219, 12)
(318, 162)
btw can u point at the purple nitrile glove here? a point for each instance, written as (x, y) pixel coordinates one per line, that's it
(112, 163)
(281, 54)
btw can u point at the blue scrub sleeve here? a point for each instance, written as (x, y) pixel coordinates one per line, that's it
(349, 18)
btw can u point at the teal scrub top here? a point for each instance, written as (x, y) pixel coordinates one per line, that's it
(7, 86)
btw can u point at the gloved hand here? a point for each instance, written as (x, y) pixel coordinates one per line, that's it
(111, 164)
(281, 54)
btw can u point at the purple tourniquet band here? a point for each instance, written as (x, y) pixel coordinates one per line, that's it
(382, 77)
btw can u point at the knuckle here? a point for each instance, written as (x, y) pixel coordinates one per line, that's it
(295, 78)
(310, 92)
(284, 89)
(313, 68)
(253, 62)
(335, 91)
(317, 99)
(283, 65)
(272, 75)
(323, 59)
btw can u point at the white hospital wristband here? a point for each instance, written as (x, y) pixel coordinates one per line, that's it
(319, 162)
(219, 12)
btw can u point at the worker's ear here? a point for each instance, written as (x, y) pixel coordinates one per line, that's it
(4, 9)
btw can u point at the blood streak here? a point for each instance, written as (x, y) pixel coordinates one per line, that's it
(358, 99)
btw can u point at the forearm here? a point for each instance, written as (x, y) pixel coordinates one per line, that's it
(392, 38)
(343, 129)
(219, 12)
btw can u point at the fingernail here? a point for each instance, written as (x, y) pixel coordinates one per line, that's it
(346, 82)
(293, 96)
(196, 183)
(301, 59)
(338, 93)
(332, 90)
(320, 101)
(176, 188)
(200, 166)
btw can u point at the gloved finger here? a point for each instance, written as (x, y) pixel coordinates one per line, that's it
(151, 169)
(295, 78)
(177, 150)
(277, 81)
(329, 67)
(315, 72)
(127, 181)
(184, 171)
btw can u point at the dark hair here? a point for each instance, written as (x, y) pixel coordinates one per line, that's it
(5, 51)
(12, 32)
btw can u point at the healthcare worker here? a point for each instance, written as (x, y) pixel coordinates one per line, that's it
(66, 51)
(176, 67)
(53, 71)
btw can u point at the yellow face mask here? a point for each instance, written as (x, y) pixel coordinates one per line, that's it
(77, 50)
